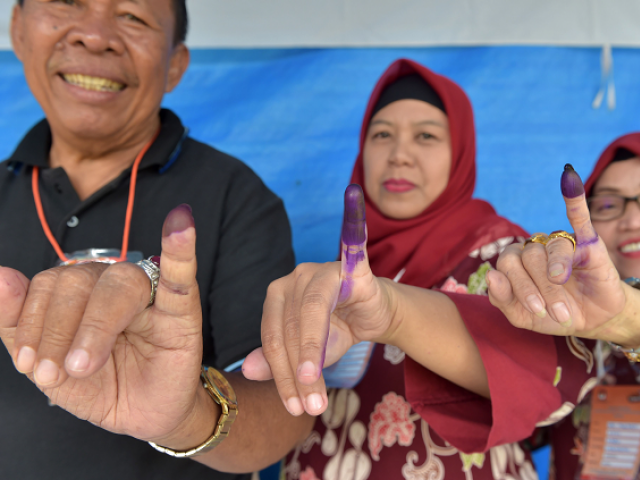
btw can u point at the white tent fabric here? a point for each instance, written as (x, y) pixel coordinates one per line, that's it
(341, 23)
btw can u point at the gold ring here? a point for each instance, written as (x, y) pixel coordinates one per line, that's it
(540, 238)
(563, 234)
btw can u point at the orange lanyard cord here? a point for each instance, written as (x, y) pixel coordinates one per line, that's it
(129, 214)
(43, 220)
(132, 195)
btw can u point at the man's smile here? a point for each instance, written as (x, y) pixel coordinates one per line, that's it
(97, 84)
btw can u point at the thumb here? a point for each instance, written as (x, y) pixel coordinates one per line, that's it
(178, 293)
(13, 292)
(354, 258)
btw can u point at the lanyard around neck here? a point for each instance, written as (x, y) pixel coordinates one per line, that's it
(127, 221)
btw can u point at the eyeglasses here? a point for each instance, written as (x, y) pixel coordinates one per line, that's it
(609, 207)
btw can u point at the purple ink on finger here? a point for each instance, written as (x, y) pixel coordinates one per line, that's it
(353, 224)
(178, 220)
(570, 183)
(353, 237)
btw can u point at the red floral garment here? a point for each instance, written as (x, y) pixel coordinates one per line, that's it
(373, 432)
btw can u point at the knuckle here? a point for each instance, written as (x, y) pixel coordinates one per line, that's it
(273, 344)
(286, 385)
(57, 336)
(507, 261)
(313, 302)
(95, 328)
(310, 345)
(559, 246)
(275, 287)
(77, 280)
(534, 253)
(45, 280)
(126, 275)
(28, 331)
(549, 290)
(291, 330)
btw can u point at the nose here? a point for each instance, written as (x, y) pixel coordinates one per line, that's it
(400, 155)
(97, 31)
(631, 218)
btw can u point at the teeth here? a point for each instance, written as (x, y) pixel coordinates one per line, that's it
(93, 83)
(630, 247)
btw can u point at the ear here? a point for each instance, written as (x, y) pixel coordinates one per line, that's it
(17, 33)
(177, 66)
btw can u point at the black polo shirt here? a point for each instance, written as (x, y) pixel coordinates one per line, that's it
(244, 242)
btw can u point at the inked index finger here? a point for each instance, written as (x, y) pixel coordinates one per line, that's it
(354, 258)
(577, 208)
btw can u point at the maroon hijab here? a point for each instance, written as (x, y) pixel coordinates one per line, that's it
(630, 141)
(432, 244)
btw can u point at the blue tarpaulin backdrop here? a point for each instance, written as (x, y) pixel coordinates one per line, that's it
(294, 116)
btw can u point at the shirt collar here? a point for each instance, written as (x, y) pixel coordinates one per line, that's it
(33, 149)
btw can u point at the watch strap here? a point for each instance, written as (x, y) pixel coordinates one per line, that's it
(222, 393)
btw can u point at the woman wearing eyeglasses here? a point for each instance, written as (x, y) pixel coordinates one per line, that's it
(613, 192)
(602, 306)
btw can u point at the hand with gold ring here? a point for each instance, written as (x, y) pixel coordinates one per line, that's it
(562, 284)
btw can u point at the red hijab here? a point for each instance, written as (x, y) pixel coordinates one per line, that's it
(432, 244)
(630, 141)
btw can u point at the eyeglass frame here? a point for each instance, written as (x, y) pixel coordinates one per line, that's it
(624, 207)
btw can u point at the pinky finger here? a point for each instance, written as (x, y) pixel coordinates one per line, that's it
(502, 297)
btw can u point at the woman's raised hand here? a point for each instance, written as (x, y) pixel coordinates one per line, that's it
(553, 290)
(314, 315)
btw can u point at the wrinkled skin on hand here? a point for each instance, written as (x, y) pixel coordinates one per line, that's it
(314, 315)
(86, 338)
(553, 290)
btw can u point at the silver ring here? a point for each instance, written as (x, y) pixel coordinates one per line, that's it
(152, 269)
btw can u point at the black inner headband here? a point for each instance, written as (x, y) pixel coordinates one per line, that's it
(623, 154)
(410, 87)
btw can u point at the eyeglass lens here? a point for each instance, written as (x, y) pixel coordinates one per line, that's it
(608, 207)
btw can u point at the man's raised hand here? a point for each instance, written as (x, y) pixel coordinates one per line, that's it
(86, 338)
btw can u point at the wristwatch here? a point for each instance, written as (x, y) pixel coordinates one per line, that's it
(633, 354)
(222, 393)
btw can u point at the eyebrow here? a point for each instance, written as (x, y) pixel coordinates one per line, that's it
(606, 190)
(424, 122)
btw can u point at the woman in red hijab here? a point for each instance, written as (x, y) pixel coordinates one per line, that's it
(417, 167)
(612, 191)
(597, 279)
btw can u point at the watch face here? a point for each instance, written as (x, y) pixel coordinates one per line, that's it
(221, 385)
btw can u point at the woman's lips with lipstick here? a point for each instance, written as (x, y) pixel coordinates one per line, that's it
(398, 185)
(630, 248)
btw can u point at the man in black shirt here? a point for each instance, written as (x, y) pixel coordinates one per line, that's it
(99, 69)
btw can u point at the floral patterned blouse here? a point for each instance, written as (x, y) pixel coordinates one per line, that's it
(375, 431)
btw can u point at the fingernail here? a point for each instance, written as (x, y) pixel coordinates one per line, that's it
(26, 359)
(294, 406)
(562, 314)
(46, 373)
(178, 220)
(78, 361)
(307, 371)
(556, 269)
(570, 183)
(353, 226)
(314, 402)
(536, 306)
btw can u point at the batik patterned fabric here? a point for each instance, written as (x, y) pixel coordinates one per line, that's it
(373, 432)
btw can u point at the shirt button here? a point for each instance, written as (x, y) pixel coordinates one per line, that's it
(73, 222)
